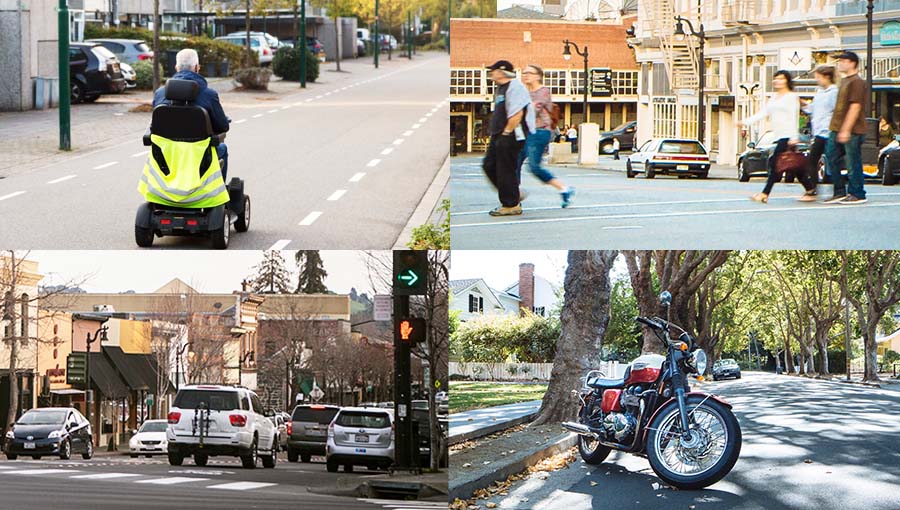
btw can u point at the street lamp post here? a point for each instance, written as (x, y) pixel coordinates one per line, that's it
(847, 333)
(377, 44)
(248, 356)
(178, 354)
(302, 41)
(701, 106)
(100, 334)
(567, 55)
(870, 6)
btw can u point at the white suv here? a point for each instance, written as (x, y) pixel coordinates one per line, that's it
(360, 436)
(210, 420)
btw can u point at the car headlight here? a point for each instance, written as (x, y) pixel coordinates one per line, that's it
(698, 359)
(54, 434)
(133, 442)
(10, 434)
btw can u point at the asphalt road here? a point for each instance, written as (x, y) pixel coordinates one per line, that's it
(613, 212)
(119, 482)
(338, 166)
(807, 444)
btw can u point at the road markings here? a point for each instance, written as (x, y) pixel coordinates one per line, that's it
(139, 154)
(103, 476)
(40, 471)
(407, 133)
(423, 119)
(172, 480)
(106, 165)
(319, 96)
(273, 111)
(308, 100)
(336, 195)
(310, 218)
(416, 125)
(241, 486)
(624, 227)
(281, 244)
(398, 141)
(118, 114)
(285, 107)
(61, 179)
(404, 505)
(429, 114)
(373, 163)
(240, 121)
(356, 178)
(387, 151)
(258, 115)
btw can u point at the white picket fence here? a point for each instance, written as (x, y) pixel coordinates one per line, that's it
(521, 371)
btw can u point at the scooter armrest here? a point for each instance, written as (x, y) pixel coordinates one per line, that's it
(147, 138)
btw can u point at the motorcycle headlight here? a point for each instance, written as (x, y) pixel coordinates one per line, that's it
(698, 359)
(54, 434)
(10, 434)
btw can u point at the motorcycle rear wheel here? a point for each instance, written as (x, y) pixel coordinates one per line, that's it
(592, 451)
(664, 444)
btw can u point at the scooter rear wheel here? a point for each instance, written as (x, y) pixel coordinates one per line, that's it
(143, 237)
(242, 224)
(220, 235)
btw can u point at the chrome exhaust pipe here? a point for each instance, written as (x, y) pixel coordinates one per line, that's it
(579, 429)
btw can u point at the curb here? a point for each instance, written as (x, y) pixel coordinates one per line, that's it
(466, 489)
(377, 488)
(490, 429)
(427, 205)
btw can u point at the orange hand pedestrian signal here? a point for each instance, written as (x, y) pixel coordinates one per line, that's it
(406, 330)
(410, 330)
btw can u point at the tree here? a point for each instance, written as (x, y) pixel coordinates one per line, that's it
(584, 318)
(870, 280)
(271, 276)
(312, 272)
(337, 9)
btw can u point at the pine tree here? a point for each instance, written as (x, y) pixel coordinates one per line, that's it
(271, 276)
(312, 272)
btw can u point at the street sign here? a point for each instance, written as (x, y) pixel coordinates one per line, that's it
(76, 364)
(410, 272)
(149, 399)
(383, 307)
(411, 330)
(601, 82)
(316, 394)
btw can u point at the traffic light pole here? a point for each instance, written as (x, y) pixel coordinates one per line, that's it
(403, 447)
(65, 89)
(377, 44)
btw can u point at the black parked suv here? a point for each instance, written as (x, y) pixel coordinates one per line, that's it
(93, 70)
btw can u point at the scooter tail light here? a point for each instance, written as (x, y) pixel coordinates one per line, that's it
(174, 416)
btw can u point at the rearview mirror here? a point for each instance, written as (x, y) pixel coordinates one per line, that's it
(665, 298)
(751, 145)
(133, 432)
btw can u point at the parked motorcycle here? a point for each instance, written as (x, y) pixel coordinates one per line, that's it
(691, 438)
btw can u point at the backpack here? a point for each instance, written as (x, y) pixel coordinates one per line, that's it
(554, 115)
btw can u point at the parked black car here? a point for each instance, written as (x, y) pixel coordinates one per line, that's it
(59, 431)
(726, 368)
(420, 418)
(625, 134)
(889, 163)
(93, 71)
(754, 162)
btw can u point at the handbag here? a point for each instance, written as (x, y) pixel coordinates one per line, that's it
(790, 161)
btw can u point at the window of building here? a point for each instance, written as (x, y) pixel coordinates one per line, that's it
(664, 117)
(556, 80)
(476, 304)
(539, 310)
(465, 82)
(625, 83)
(577, 82)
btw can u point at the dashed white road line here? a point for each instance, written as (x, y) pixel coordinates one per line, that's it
(429, 114)
(308, 100)
(104, 476)
(423, 119)
(398, 141)
(258, 115)
(273, 111)
(13, 194)
(285, 107)
(356, 178)
(373, 163)
(416, 125)
(319, 96)
(61, 179)
(280, 245)
(407, 133)
(387, 151)
(172, 480)
(118, 114)
(336, 195)
(139, 154)
(239, 121)
(105, 165)
(240, 486)
(623, 227)
(310, 218)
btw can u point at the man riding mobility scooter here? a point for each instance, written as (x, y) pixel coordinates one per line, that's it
(182, 180)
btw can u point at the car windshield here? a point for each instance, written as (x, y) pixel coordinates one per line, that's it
(142, 47)
(363, 420)
(621, 127)
(726, 362)
(320, 415)
(681, 147)
(43, 418)
(103, 53)
(154, 426)
(214, 400)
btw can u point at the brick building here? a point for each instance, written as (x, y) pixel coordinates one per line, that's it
(477, 43)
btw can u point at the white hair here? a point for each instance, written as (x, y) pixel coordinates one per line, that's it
(187, 60)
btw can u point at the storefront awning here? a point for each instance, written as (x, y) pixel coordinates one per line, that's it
(104, 376)
(67, 391)
(138, 370)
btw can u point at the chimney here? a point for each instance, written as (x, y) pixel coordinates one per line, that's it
(526, 287)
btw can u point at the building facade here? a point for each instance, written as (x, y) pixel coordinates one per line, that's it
(474, 298)
(478, 43)
(746, 41)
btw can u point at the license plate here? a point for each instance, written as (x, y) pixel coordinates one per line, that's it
(360, 450)
(29, 446)
(682, 167)
(362, 438)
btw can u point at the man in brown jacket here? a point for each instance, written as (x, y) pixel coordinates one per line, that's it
(847, 132)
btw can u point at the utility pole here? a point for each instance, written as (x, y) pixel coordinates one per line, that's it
(847, 333)
(377, 38)
(65, 88)
(302, 43)
(870, 6)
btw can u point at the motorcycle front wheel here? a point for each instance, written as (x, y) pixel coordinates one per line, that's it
(705, 457)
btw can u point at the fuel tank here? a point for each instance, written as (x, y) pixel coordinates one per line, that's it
(610, 402)
(645, 369)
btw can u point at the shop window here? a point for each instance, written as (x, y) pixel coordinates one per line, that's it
(465, 82)
(625, 83)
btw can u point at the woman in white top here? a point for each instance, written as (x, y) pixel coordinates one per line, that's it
(783, 114)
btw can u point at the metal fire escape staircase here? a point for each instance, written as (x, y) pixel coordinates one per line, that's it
(680, 57)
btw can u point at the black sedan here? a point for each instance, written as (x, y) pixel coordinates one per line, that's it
(725, 368)
(754, 162)
(889, 163)
(93, 71)
(57, 431)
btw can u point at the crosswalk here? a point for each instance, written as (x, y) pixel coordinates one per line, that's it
(77, 474)
(393, 504)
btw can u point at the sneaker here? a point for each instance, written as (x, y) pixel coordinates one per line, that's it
(835, 199)
(853, 199)
(567, 196)
(507, 211)
(807, 198)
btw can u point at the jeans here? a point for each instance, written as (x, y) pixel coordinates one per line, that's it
(222, 151)
(574, 142)
(780, 146)
(500, 167)
(852, 157)
(535, 145)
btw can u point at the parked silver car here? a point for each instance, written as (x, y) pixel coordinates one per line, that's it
(360, 436)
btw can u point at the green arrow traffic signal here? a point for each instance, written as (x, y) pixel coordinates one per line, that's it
(410, 278)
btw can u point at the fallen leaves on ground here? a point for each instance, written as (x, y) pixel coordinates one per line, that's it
(465, 445)
(142, 108)
(501, 488)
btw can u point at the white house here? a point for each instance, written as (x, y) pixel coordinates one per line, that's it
(473, 297)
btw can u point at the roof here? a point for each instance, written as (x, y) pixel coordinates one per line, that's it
(457, 286)
(519, 12)
(176, 286)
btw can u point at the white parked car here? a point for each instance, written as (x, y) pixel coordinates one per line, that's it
(257, 42)
(129, 75)
(668, 156)
(208, 420)
(150, 439)
(360, 436)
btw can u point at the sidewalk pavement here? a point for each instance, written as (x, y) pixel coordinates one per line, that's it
(482, 422)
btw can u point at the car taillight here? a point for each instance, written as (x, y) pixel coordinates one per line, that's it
(266, 51)
(237, 420)
(331, 430)
(145, 56)
(290, 428)
(174, 416)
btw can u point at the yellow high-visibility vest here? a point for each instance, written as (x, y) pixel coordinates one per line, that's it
(183, 186)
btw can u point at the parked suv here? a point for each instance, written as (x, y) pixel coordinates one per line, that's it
(211, 420)
(127, 50)
(93, 70)
(360, 436)
(308, 431)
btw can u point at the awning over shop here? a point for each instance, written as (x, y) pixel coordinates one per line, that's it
(138, 370)
(104, 376)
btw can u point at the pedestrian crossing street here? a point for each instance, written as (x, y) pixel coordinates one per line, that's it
(393, 504)
(77, 474)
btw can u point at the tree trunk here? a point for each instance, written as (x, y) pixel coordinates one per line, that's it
(823, 357)
(871, 352)
(337, 43)
(298, 43)
(13, 344)
(584, 317)
(788, 359)
(247, 28)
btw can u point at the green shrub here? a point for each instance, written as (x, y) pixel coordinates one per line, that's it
(253, 78)
(891, 357)
(495, 339)
(144, 71)
(286, 64)
(430, 236)
(440, 44)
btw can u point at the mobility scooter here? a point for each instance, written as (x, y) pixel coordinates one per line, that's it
(182, 181)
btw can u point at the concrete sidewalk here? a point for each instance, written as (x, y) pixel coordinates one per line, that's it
(482, 422)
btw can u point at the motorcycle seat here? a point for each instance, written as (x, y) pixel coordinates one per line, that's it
(602, 383)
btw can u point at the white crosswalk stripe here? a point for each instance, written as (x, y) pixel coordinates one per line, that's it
(172, 480)
(40, 471)
(241, 486)
(104, 476)
(405, 505)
